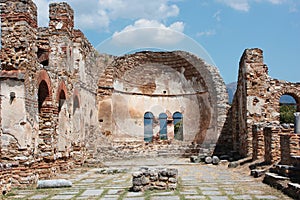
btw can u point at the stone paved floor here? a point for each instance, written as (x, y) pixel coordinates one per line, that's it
(196, 182)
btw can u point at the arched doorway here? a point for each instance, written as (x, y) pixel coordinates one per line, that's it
(163, 126)
(148, 126)
(178, 126)
(288, 106)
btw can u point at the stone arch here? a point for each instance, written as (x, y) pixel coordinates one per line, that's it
(44, 89)
(43, 76)
(62, 94)
(288, 90)
(76, 100)
(163, 126)
(203, 85)
(46, 112)
(178, 125)
(63, 122)
(148, 126)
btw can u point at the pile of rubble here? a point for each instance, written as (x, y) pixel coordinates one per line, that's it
(154, 179)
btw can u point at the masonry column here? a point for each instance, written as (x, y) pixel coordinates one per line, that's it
(297, 122)
(19, 27)
(252, 94)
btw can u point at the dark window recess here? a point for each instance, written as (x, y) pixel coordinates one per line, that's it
(12, 96)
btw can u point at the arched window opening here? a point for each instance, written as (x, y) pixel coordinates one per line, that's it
(148, 126)
(43, 93)
(288, 106)
(75, 104)
(163, 126)
(43, 56)
(178, 126)
(62, 99)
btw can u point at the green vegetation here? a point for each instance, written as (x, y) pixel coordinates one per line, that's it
(287, 113)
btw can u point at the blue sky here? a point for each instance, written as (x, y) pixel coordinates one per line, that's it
(224, 28)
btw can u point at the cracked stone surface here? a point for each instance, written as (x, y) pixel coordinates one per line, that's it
(196, 181)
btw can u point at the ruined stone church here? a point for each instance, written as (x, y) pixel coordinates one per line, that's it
(63, 103)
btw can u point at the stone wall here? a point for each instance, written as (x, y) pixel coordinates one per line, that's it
(256, 103)
(44, 74)
(154, 179)
(272, 145)
(289, 147)
(148, 82)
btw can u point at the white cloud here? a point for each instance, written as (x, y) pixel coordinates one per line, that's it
(98, 14)
(43, 10)
(277, 1)
(240, 5)
(217, 16)
(244, 5)
(150, 33)
(206, 33)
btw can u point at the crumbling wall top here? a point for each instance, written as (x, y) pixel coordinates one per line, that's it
(61, 17)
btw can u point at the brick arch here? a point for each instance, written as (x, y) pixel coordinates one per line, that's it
(212, 99)
(61, 95)
(172, 59)
(76, 99)
(44, 88)
(288, 90)
(61, 87)
(43, 76)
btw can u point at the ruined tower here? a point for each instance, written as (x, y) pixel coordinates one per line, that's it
(19, 27)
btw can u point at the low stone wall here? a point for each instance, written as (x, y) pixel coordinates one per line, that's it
(289, 146)
(140, 149)
(258, 142)
(154, 179)
(272, 144)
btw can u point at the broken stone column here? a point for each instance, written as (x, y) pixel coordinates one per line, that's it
(297, 122)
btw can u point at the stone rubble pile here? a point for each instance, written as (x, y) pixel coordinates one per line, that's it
(154, 179)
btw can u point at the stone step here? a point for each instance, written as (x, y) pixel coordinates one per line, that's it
(295, 161)
(288, 171)
(258, 172)
(276, 181)
(293, 190)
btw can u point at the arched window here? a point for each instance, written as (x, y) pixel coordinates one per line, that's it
(288, 106)
(178, 126)
(163, 126)
(75, 103)
(148, 126)
(62, 99)
(43, 93)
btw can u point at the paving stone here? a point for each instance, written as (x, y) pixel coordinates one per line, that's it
(92, 192)
(165, 198)
(41, 196)
(69, 192)
(114, 191)
(266, 197)
(164, 193)
(189, 192)
(209, 188)
(256, 192)
(134, 198)
(19, 196)
(195, 197)
(63, 197)
(110, 198)
(134, 194)
(88, 181)
(218, 197)
(242, 197)
(211, 192)
(229, 192)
